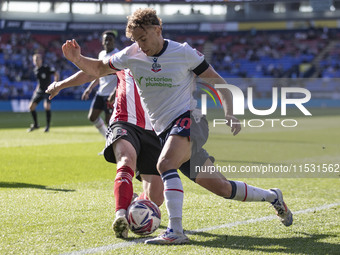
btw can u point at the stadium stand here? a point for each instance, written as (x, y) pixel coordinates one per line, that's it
(16, 50)
(261, 55)
(255, 50)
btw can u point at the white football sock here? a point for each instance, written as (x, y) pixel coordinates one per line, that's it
(247, 193)
(100, 125)
(173, 194)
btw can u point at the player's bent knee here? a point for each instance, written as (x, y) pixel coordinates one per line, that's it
(165, 164)
(126, 161)
(162, 165)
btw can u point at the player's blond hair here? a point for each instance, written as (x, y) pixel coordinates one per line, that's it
(142, 18)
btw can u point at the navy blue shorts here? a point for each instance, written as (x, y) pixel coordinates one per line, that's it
(197, 131)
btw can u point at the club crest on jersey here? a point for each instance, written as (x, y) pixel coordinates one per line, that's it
(155, 66)
(121, 132)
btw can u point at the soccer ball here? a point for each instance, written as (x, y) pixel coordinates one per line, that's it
(144, 217)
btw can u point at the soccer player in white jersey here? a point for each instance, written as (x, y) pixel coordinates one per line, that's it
(165, 72)
(130, 143)
(104, 97)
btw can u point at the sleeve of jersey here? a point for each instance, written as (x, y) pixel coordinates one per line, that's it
(196, 60)
(117, 61)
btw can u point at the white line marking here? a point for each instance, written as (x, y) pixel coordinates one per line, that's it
(228, 225)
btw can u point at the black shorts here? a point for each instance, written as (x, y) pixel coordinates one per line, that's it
(38, 96)
(197, 130)
(101, 103)
(145, 142)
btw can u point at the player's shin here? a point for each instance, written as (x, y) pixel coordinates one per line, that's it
(123, 189)
(48, 117)
(247, 193)
(173, 194)
(100, 125)
(35, 118)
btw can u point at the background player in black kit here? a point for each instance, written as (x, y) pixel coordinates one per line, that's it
(43, 74)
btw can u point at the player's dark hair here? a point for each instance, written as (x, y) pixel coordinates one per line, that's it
(110, 32)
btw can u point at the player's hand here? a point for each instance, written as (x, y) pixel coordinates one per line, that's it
(53, 89)
(86, 94)
(234, 124)
(71, 50)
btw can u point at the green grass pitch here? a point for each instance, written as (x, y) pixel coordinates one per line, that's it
(56, 193)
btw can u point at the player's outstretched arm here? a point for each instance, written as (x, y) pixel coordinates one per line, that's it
(212, 77)
(91, 66)
(76, 79)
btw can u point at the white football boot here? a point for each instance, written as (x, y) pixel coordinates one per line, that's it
(169, 237)
(282, 211)
(120, 225)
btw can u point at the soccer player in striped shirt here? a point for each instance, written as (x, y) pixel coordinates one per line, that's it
(131, 143)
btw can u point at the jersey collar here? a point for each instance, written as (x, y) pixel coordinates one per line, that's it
(165, 45)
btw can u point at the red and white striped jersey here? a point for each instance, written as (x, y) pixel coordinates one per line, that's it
(128, 106)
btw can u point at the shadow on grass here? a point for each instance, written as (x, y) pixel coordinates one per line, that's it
(306, 244)
(20, 185)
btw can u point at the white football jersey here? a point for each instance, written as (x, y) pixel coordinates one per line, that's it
(165, 82)
(109, 82)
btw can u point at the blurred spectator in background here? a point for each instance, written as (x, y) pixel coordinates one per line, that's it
(251, 54)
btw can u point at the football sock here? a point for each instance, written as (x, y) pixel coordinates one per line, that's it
(35, 119)
(100, 125)
(48, 117)
(120, 213)
(173, 194)
(123, 189)
(246, 193)
(143, 196)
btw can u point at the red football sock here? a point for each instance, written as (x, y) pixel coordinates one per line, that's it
(143, 196)
(123, 190)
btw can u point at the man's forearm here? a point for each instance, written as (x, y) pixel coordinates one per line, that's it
(90, 66)
(212, 77)
(227, 101)
(93, 84)
(76, 79)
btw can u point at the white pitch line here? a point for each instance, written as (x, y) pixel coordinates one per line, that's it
(228, 225)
